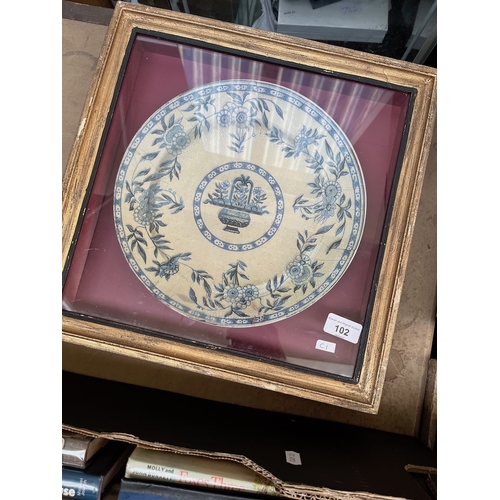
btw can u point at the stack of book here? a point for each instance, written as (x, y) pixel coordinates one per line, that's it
(90, 466)
(344, 21)
(152, 474)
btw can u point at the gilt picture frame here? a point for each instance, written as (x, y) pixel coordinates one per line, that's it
(240, 204)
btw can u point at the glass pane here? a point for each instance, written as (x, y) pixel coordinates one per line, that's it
(146, 257)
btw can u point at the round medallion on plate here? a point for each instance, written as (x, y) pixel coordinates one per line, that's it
(239, 203)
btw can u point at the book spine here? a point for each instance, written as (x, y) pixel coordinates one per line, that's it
(151, 471)
(76, 484)
(77, 450)
(74, 451)
(141, 490)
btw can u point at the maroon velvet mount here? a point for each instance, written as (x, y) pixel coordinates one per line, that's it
(100, 283)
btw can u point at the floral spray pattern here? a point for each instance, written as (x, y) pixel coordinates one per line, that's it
(330, 200)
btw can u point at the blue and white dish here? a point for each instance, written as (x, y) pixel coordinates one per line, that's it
(239, 203)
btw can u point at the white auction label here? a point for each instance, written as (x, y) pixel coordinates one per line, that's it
(343, 328)
(324, 345)
(292, 457)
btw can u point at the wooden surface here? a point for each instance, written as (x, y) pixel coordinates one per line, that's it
(404, 387)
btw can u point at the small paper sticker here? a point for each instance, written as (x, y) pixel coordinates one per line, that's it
(324, 345)
(343, 328)
(293, 457)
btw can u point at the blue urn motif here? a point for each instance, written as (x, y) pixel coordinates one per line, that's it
(239, 199)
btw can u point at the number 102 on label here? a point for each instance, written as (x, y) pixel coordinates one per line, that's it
(343, 328)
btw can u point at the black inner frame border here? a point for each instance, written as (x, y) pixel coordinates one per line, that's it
(381, 252)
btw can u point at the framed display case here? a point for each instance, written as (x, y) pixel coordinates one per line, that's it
(240, 204)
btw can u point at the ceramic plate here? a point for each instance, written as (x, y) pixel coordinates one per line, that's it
(239, 203)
